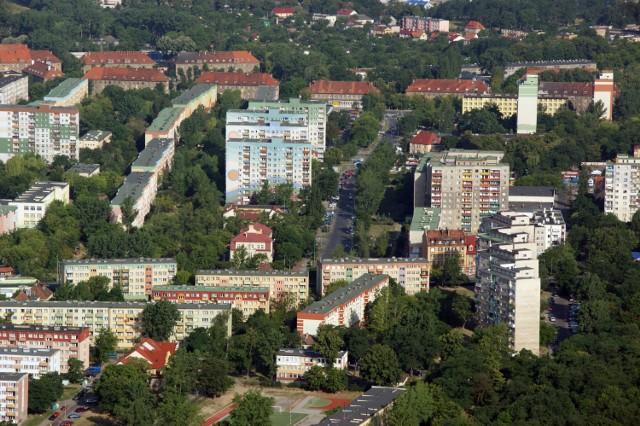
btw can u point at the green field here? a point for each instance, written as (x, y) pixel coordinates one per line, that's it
(317, 402)
(286, 419)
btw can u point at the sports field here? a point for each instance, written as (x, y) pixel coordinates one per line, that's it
(286, 418)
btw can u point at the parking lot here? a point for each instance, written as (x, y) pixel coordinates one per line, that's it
(562, 315)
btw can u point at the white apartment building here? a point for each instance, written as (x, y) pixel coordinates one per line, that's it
(507, 286)
(14, 397)
(14, 87)
(291, 364)
(465, 186)
(135, 276)
(528, 105)
(622, 186)
(32, 204)
(32, 361)
(550, 229)
(411, 274)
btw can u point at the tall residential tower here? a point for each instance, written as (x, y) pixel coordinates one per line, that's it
(528, 105)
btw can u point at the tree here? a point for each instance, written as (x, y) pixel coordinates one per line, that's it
(314, 378)
(328, 343)
(75, 373)
(178, 409)
(461, 309)
(380, 366)
(180, 374)
(159, 320)
(252, 408)
(44, 391)
(120, 385)
(129, 213)
(336, 379)
(547, 333)
(214, 376)
(104, 343)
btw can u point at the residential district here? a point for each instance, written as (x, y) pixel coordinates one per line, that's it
(178, 222)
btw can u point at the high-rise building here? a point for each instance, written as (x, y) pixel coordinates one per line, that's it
(528, 105)
(603, 89)
(43, 130)
(507, 286)
(266, 145)
(622, 186)
(32, 204)
(14, 400)
(464, 185)
(13, 87)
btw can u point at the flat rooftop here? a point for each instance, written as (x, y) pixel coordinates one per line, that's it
(454, 156)
(95, 135)
(209, 289)
(42, 328)
(9, 350)
(192, 94)
(39, 191)
(127, 261)
(107, 305)
(372, 260)
(66, 88)
(84, 168)
(153, 153)
(8, 77)
(11, 377)
(165, 119)
(237, 272)
(309, 353)
(134, 186)
(345, 294)
(532, 191)
(425, 218)
(363, 408)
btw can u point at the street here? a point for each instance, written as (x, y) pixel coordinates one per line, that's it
(71, 406)
(560, 310)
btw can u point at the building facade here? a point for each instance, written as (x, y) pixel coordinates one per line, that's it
(507, 104)
(200, 95)
(69, 93)
(250, 85)
(71, 342)
(236, 60)
(166, 125)
(550, 230)
(117, 59)
(8, 219)
(30, 361)
(291, 364)
(43, 130)
(411, 274)
(603, 91)
(438, 246)
(424, 142)
(247, 300)
(341, 94)
(344, 307)
(135, 276)
(507, 286)
(16, 57)
(14, 399)
(141, 188)
(414, 23)
(123, 318)
(94, 139)
(32, 204)
(255, 239)
(432, 88)
(13, 87)
(622, 186)
(283, 285)
(528, 105)
(464, 185)
(127, 78)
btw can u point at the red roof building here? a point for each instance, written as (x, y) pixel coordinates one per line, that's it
(42, 72)
(256, 239)
(283, 12)
(249, 84)
(6, 271)
(233, 60)
(423, 142)
(157, 354)
(432, 88)
(341, 94)
(474, 27)
(119, 59)
(345, 12)
(127, 78)
(16, 57)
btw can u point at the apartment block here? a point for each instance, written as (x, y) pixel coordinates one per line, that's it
(123, 318)
(250, 84)
(411, 274)
(13, 87)
(435, 88)
(68, 93)
(155, 158)
(465, 185)
(238, 60)
(166, 125)
(32, 204)
(14, 397)
(341, 94)
(135, 276)
(117, 59)
(141, 188)
(16, 57)
(603, 91)
(315, 118)
(94, 139)
(127, 78)
(291, 364)
(507, 286)
(414, 23)
(30, 361)
(44, 130)
(71, 342)
(550, 230)
(622, 186)
(282, 284)
(440, 245)
(200, 95)
(507, 104)
(528, 105)
(247, 300)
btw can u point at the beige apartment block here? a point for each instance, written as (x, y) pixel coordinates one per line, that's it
(14, 399)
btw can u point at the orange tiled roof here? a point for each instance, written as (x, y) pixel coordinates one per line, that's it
(566, 89)
(344, 12)
(260, 234)
(238, 79)
(348, 87)
(470, 36)
(447, 86)
(475, 25)
(156, 353)
(116, 58)
(425, 138)
(281, 10)
(126, 74)
(445, 234)
(42, 70)
(216, 57)
(44, 56)
(20, 53)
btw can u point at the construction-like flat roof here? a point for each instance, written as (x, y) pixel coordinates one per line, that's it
(165, 119)
(84, 168)
(38, 191)
(95, 135)
(65, 88)
(153, 153)
(194, 93)
(134, 186)
(345, 294)
(425, 218)
(10, 350)
(234, 272)
(138, 260)
(364, 407)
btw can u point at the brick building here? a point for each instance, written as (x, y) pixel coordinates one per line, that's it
(237, 60)
(432, 88)
(127, 78)
(341, 94)
(118, 59)
(250, 85)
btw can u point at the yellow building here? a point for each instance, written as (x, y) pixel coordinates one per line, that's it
(508, 103)
(123, 318)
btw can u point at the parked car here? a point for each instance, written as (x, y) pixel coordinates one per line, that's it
(81, 409)
(54, 415)
(74, 416)
(92, 400)
(66, 423)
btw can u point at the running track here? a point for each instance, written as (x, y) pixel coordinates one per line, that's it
(218, 416)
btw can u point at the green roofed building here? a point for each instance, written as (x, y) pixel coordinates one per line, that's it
(68, 93)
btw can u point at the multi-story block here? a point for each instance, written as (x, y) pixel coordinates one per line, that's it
(254, 239)
(156, 157)
(16, 57)
(584, 64)
(94, 139)
(508, 283)
(342, 94)
(530, 199)
(117, 59)
(430, 88)
(315, 118)
(200, 95)
(622, 186)
(166, 125)
(187, 63)
(136, 276)
(291, 364)
(123, 318)
(528, 105)
(8, 219)
(85, 170)
(30, 360)
(366, 409)
(32, 204)
(141, 188)
(550, 230)
(603, 91)
(424, 219)
(14, 399)
(344, 307)
(465, 185)
(13, 87)
(248, 299)
(68, 93)
(72, 342)
(438, 246)
(43, 130)
(127, 78)
(411, 274)
(507, 104)
(283, 285)
(250, 85)
(414, 23)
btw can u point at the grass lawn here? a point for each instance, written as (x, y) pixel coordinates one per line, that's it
(36, 420)
(317, 402)
(14, 6)
(70, 391)
(286, 419)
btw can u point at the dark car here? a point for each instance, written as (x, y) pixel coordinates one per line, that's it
(81, 409)
(54, 415)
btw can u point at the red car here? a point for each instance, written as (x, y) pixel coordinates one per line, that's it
(67, 423)
(54, 415)
(63, 408)
(82, 409)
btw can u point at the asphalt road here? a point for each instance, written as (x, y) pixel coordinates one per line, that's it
(71, 406)
(560, 310)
